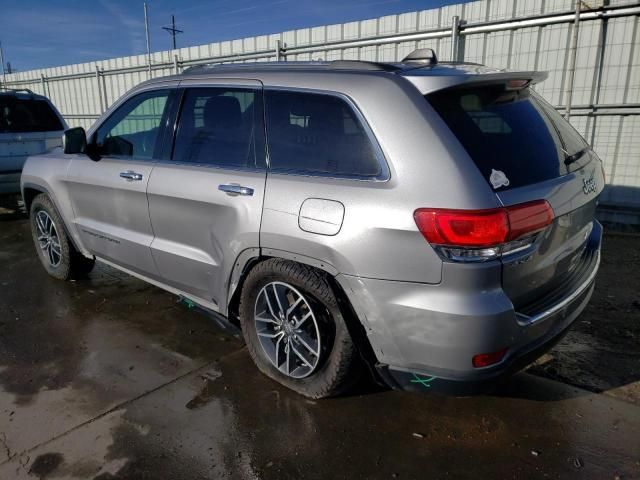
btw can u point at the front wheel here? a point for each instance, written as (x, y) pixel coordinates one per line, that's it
(295, 331)
(57, 254)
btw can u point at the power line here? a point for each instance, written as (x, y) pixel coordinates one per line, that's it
(173, 30)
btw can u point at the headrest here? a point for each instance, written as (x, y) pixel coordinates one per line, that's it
(222, 112)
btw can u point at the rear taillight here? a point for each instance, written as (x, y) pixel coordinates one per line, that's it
(528, 218)
(483, 234)
(463, 228)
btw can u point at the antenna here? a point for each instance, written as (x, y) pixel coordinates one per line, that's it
(173, 30)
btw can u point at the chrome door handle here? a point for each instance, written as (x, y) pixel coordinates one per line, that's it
(235, 189)
(131, 175)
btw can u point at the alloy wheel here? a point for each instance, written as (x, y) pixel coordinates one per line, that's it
(48, 238)
(288, 330)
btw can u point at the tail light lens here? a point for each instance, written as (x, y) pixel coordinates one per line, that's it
(463, 228)
(483, 234)
(528, 218)
(485, 359)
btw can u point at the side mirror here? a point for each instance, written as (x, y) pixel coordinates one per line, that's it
(74, 140)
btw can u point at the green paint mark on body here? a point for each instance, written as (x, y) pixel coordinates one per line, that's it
(189, 303)
(424, 381)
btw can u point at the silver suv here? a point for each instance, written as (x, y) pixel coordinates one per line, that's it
(431, 221)
(29, 125)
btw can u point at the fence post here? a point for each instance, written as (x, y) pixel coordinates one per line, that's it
(281, 48)
(43, 82)
(99, 89)
(175, 64)
(104, 89)
(455, 37)
(572, 61)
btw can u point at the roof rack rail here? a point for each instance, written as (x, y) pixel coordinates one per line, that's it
(333, 65)
(9, 89)
(362, 65)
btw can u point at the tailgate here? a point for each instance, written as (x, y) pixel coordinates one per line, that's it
(559, 251)
(527, 152)
(16, 147)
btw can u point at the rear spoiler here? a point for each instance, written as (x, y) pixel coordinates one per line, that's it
(459, 77)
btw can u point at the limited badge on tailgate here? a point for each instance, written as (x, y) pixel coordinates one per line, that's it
(590, 185)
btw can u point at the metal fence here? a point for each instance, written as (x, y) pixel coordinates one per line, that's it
(516, 34)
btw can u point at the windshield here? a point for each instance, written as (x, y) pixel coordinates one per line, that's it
(21, 115)
(514, 137)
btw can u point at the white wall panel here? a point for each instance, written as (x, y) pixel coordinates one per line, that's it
(607, 66)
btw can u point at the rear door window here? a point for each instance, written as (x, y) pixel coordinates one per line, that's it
(318, 134)
(221, 126)
(513, 137)
(22, 115)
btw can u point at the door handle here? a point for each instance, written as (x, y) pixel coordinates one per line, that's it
(235, 189)
(131, 176)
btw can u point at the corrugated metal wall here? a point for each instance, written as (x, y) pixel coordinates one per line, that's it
(607, 80)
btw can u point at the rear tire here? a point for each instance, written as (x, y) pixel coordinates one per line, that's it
(322, 361)
(57, 254)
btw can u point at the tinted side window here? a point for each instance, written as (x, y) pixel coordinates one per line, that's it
(316, 133)
(132, 130)
(27, 115)
(221, 126)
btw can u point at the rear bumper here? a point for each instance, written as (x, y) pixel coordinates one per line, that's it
(9, 182)
(425, 336)
(484, 380)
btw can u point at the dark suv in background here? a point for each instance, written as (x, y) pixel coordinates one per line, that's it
(29, 125)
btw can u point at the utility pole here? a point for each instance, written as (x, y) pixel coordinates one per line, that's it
(146, 32)
(173, 31)
(4, 73)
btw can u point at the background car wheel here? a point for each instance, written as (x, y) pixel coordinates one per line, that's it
(295, 331)
(56, 253)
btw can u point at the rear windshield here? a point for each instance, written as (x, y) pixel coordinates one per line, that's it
(514, 137)
(27, 115)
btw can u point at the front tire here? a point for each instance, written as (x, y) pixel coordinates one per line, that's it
(57, 254)
(295, 331)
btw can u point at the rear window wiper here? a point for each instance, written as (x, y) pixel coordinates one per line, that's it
(569, 159)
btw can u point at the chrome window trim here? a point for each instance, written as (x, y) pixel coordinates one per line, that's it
(211, 166)
(385, 172)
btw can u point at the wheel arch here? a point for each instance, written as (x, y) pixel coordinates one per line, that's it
(30, 191)
(248, 260)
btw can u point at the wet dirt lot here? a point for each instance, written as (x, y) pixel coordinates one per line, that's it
(110, 378)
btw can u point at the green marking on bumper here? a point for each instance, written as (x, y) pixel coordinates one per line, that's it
(424, 381)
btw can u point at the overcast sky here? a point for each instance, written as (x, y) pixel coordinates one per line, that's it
(45, 33)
